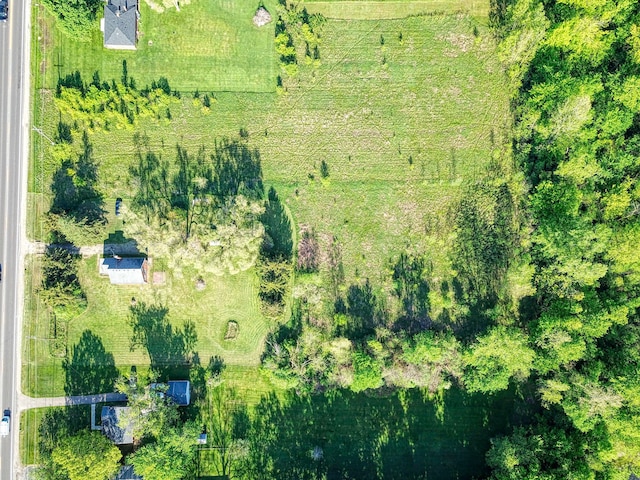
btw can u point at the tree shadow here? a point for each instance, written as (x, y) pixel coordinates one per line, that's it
(485, 243)
(363, 311)
(74, 188)
(278, 242)
(171, 350)
(403, 436)
(117, 243)
(237, 170)
(91, 369)
(412, 289)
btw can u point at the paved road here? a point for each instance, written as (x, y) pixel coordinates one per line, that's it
(14, 130)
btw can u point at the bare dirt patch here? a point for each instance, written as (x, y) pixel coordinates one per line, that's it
(159, 278)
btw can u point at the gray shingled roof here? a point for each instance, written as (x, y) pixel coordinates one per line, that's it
(124, 271)
(120, 23)
(110, 418)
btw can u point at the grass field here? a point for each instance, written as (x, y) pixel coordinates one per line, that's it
(208, 45)
(405, 111)
(404, 122)
(403, 126)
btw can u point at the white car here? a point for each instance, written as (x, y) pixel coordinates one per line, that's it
(5, 424)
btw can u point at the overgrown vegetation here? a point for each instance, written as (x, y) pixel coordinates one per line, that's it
(77, 18)
(298, 36)
(116, 105)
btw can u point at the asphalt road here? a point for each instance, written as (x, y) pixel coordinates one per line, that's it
(14, 134)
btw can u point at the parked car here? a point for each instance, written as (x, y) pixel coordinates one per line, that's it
(0, 272)
(4, 10)
(5, 423)
(118, 205)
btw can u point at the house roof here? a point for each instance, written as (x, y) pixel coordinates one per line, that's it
(178, 390)
(120, 23)
(111, 427)
(124, 271)
(126, 473)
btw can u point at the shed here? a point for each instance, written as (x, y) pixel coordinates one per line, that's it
(125, 271)
(111, 428)
(120, 24)
(177, 390)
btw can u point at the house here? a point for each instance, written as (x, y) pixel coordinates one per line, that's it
(120, 24)
(126, 473)
(177, 390)
(125, 271)
(111, 425)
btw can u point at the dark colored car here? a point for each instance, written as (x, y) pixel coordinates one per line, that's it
(4, 10)
(118, 205)
(0, 272)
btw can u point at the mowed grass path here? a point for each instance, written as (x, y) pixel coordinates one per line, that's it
(387, 9)
(208, 45)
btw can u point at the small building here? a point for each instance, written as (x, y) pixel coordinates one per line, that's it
(111, 425)
(125, 271)
(120, 24)
(126, 472)
(177, 390)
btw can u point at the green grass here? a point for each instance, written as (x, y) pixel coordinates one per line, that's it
(400, 435)
(385, 9)
(29, 423)
(107, 317)
(405, 112)
(403, 126)
(208, 45)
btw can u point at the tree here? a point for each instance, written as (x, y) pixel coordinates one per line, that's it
(226, 420)
(76, 18)
(540, 452)
(198, 210)
(87, 455)
(76, 209)
(495, 358)
(171, 457)
(308, 251)
(150, 413)
(61, 287)
(367, 372)
(431, 360)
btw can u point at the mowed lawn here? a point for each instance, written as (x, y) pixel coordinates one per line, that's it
(108, 318)
(207, 45)
(402, 435)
